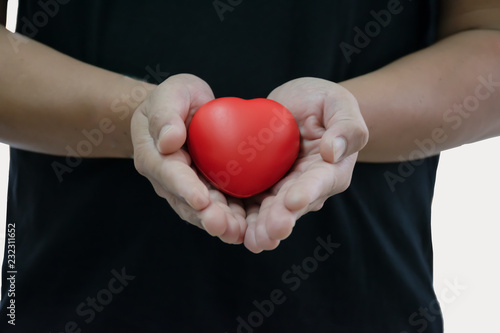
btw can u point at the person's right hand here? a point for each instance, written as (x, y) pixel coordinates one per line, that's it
(159, 130)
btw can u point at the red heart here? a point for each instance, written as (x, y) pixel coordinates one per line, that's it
(243, 147)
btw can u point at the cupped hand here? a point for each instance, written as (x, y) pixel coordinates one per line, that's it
(332, 132)
(159, 130)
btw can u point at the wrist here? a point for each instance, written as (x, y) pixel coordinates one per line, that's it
(113, 113)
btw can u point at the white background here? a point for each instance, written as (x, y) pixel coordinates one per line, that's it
(466, 229)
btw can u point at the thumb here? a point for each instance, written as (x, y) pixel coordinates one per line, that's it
(346, 132)
(171, 106)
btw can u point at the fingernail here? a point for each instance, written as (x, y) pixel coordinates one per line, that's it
(163, 132)
(339, 147)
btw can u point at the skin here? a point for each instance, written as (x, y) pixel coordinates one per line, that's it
(417, 92)
(313, 178)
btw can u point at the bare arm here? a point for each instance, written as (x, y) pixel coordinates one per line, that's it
(48, 101)
(437, 98)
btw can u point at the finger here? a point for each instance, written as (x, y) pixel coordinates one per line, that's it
(232, 232)
(300, 195)
(172, 172)
(252, 212)
(275, 224)
(256, 237)
(235, 214)
(169, 108)
(321, 181)
(238, 211)
(179, 178)
(260, 215)
(180, 206)
(214, 217)
(278, 213)
(261, 237)
(315, 180)
(346, 132)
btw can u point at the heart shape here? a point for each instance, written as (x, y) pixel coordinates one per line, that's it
(243, 147)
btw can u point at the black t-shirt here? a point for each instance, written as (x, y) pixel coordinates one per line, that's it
(98, 251)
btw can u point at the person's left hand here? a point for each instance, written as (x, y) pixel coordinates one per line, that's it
(332, 132)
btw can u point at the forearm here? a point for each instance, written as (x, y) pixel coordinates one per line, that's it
(52, 103)
(432, 100)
